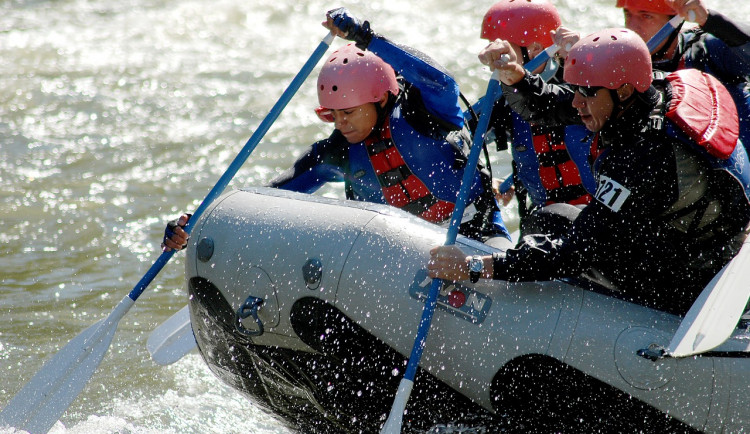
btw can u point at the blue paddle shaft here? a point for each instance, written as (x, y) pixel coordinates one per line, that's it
(541, 58)
(450, 238)
(663, 33)
(239, 160)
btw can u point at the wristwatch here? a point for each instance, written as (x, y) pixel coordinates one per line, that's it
(476, 266)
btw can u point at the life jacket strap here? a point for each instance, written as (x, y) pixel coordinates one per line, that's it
(558, 172)
(401, 187)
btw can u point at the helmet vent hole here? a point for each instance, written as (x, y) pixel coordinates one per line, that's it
(334, 88)
(613, 37)
(345, 61)
(596, 39)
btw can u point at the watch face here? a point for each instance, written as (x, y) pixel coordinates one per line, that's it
(476, 265)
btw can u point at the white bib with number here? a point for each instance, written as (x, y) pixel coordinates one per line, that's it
(611, 193)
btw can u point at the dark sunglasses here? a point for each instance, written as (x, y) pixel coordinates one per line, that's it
(586, 91)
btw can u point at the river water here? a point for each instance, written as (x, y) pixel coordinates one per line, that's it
(116, 116)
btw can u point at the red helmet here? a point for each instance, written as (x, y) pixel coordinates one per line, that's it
(352, 77)
(609, 58)
(521, 22)
(656, 6)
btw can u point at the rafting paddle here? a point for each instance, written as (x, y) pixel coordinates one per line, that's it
(394, 422)
(50, 392)
(717, 310)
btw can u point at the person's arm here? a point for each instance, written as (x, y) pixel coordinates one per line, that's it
(643, 179)
(720, 45)
(543, 103)
(733, 34)
(320, 164)
(727, 46)
(526, 93)
(438, 89)
(537, 257)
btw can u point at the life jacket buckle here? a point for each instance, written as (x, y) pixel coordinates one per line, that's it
(657, 122)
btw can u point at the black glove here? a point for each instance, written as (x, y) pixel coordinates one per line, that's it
(169, 230)
(355, 30)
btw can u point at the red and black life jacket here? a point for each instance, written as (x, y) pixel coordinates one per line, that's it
(401, 188)
(558, 172)
(551, 163)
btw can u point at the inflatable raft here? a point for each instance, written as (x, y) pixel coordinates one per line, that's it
(310, 306)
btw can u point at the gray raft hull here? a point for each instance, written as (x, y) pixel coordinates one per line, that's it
(342, 285)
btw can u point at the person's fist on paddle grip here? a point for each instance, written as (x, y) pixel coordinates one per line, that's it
(174, 236)
(349, 27)
(500, 55)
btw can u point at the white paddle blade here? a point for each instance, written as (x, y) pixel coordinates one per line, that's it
(173, 339)
(714, 315)
(50, 392)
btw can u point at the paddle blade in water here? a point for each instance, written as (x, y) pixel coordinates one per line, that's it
(173, 339)
(51, 391)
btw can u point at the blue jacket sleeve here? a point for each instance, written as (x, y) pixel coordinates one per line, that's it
(438, 89)
(320, 164)
(736, 35)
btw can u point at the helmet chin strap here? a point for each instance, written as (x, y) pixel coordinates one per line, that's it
(620, 105)
(382, 113)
